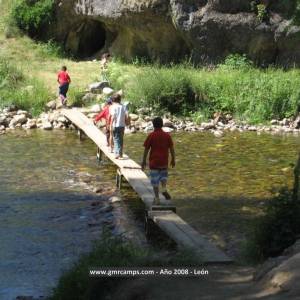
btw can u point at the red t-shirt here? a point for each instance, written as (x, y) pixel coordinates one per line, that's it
(159, 143)
(104, 114)
(63, 77)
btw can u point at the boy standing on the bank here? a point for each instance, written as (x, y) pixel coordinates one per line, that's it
(64, 81)
(119, 119)
(159, 143)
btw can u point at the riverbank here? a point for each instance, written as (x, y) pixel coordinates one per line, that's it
(13, 118)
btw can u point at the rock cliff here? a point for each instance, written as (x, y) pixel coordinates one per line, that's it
(169, 30)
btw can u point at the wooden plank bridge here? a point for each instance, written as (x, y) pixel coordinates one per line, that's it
(164, 215)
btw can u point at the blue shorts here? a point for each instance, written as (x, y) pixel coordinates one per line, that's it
(157, 176)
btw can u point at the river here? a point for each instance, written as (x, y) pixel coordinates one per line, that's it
(219, 186)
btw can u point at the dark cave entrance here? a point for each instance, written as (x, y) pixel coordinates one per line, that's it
(92, 39)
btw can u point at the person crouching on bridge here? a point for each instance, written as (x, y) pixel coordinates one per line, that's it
(159, 143)
(119, 119)
(64, 81)
(104, 114)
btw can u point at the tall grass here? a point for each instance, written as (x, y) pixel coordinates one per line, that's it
(248, 93)
(24, 92)
(112, 252)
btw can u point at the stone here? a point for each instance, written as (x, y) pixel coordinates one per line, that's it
(218, 133)
(98, 86)
(208, 126)
(51, 105)
(89, 97)
(23, 112)
(274, 122)
(296, 123)
(4, 121)
(115, 199)
(97, 190)
(168, 123)
(31, 123)
(107, 91)
(62, 119)
(47, 126)
(18, 120)
(133, 117)
(252, 128)
(167, 129)
(95, 108)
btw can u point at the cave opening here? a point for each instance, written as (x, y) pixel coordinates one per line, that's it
(92, 39)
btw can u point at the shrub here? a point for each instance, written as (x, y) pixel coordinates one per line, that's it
(236, 61)
(25, 93)
(235, 87)
(278, 228)
(32, 15)
(111, 252)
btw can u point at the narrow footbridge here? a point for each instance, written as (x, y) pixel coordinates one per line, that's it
(163, 215)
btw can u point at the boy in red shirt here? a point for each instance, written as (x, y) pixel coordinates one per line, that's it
(64, 81)
(104, 114)
(159, 143)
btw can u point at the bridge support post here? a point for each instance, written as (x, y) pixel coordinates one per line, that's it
(80, 134)
(99, 155)
(119, 179)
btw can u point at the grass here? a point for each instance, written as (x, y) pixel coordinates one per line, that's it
(38, 63)
(111, 252)
(249, 93)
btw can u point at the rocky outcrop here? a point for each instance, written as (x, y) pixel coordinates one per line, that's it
(169, 30)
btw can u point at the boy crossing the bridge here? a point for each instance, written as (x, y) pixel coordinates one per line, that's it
(159, 143)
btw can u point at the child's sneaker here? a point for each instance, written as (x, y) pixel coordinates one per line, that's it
(167, 195)
(156, 201)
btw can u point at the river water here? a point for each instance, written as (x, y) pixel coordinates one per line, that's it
(219, 186)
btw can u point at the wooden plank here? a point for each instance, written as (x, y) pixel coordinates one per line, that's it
(168, 221)
(185, 235)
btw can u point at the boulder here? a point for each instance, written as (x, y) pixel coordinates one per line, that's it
(31, 123)
(283, 278)
(63, 120)
(168, 123)
(98, 86)
(95, 108)
(107, 91)
(4, 121)
(18, 120)
(170, 30)
(47, 126)
(133, 117)
(89, 97)
(51, 105)
(296, 123)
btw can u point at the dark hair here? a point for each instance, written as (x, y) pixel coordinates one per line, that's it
(64, 68)
(157, 122)
(116, 98)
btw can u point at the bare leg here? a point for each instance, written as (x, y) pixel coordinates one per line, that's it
(164, 190)
(156, 194)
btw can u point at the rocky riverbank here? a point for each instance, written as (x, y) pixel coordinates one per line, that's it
(12, 118)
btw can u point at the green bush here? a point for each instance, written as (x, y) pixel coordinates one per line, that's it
(32, 15)
(25, 93)
(235, 87)
(277, 229)
(111, 252)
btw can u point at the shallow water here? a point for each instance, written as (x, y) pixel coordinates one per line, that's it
(44, 208)
(219, 186)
